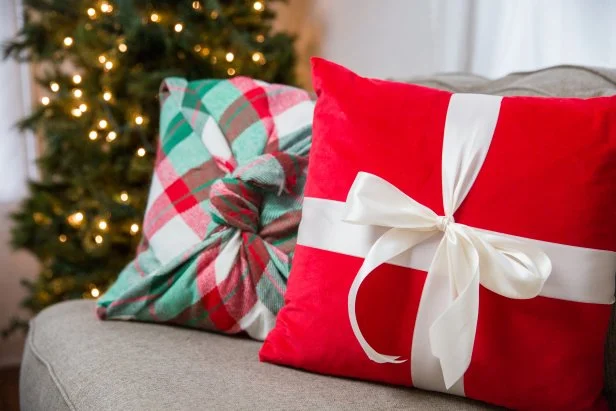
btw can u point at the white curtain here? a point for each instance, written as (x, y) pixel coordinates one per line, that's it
(402, 38)
(16, 148)
(495, 37)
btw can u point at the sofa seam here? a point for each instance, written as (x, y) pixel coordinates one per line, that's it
(50, 370)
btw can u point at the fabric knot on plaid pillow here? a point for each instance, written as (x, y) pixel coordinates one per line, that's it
(236, 200)
(224, 207)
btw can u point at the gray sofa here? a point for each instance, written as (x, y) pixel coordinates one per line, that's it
(73, 361)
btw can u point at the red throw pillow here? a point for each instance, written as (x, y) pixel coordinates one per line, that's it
(455, 242)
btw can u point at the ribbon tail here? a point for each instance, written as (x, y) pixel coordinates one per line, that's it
(394, 242)
(452, 334)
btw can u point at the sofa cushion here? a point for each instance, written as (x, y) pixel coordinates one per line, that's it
(387, 312)
(73, 361)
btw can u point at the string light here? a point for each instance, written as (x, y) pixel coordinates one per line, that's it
(134, 228)
(214, 60)
(197, 48)
(214, 15)
(76, 112)
(260, 38)
(112, 136)
(55, 87)
(107, 95)
(229, 57)
(45, 101)
(103, 123)
(154, 17)
(91, 12)
(257, 5)
(102, 59)
(75, 219)
(68, 41)
(83, 107)
(258, 57)
(62, 238)
(178, 27)
(106, 7)
(108, 65)
(77, 93)
(124, 196)
(230, 71)
(102, 225)
(139, 120)
(76, 79)
(95, 292)
(122, 47)
(93, 135)
(205, 51)
(196, 5)
(141, 151)
(98, 239)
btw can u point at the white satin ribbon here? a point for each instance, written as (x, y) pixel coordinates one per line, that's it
(465, 257)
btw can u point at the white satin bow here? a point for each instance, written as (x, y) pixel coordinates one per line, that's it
(465, 255)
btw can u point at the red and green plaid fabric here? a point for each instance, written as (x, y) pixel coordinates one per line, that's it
(223, 210)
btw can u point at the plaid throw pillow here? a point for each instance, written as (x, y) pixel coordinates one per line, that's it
(223, 210)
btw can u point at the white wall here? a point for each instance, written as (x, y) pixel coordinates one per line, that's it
(14, 168)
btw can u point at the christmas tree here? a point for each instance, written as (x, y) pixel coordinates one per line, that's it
(100, 64)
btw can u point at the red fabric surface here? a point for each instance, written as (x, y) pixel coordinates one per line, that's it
(549, 175)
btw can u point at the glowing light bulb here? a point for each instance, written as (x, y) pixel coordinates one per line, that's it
(229, 57)
(124, 196)
(196, 5)
(83, 107)
(55, 87)
(260, 38)
(76, 112)
(76, 79)
(205, 51)
(134, 229)
(122, 47)
(108, 65)
(76, 219)
(91, 12)
(98, 239)
(230, 71)
(102, 225)
(214, 15)
(258, 6)
(102, 124)
(77, 93)
(107, 95)
(102, 59)
(155, 17)
(112, 136)
(45, 101)
(139, 120)
(178, 27)
(106, 7)
(141, 151)
(68, 41)
(93, 135)
(95, 292)
(197, 48)
(62, 238)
